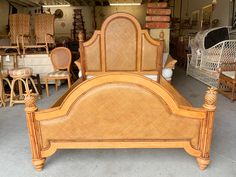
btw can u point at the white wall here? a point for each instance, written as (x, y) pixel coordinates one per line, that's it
(103, 12)
(222, 11)
(64, 25)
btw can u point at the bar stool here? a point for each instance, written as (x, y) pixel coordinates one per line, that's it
(22, 75)
(3, 96)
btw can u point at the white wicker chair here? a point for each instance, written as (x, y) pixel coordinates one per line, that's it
(207, 54)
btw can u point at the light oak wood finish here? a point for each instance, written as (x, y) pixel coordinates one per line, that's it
(61, 61)
(227, 80)
(121, 110)
(121, 46)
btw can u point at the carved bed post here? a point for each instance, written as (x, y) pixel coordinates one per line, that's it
(81, 51)
(30, 109)
(207, 126)
(159, 52)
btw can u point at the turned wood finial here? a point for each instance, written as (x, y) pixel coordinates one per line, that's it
(203, 163)
(162, 35)
(30, 102)
(210, 99)
(81, 36)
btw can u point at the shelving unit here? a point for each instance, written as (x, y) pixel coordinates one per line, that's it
(78, 24)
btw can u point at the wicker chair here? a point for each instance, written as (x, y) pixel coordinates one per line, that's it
(19, 27)
(210, 49)
(44, 33)
(227, 80)
(61, 60)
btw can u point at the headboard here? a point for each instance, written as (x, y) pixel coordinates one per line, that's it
(121, 46)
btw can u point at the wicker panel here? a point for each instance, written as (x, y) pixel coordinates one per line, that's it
(19, 25)
(149, 57)
(204, 65)
(61, 58)
(93, 56)
(90, 118)
(121, 45)
(44, 24)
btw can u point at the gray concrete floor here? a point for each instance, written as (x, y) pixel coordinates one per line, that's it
(15, 153)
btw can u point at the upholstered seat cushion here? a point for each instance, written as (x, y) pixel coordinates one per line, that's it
(230, 74)
(4, 73)
(20, 72)
(58, 74)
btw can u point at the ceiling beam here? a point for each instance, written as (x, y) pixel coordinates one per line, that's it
(25, 3)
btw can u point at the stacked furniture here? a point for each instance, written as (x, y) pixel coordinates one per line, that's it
(44, 33)
(209, 50)
(19, 26)
(158, 15)
(78, 24)
(119, 107)
(158, 19)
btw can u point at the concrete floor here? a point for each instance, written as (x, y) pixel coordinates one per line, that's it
(15, 153)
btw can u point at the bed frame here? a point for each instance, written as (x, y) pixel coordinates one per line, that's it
(122, 109)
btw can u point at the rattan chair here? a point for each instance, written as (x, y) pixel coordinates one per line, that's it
(19, 27)
(44, 33)
(61, 60)
(227, 80)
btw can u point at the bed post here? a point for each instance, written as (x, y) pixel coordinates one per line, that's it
(81, 51)
(30, 109)
(207, 126)
(160, 52)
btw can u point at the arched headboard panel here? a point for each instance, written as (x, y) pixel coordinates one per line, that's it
(121, 45)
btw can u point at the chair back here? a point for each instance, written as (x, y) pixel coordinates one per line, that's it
(19, 25)
(44, 24)
(61, 58)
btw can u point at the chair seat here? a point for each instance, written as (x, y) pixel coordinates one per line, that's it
(58, 74)
(4, 73)
(230, 74)
(20, 72)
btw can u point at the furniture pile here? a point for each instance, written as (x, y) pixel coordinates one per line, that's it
(158, 15)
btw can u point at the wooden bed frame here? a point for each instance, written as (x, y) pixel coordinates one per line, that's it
(122, 110)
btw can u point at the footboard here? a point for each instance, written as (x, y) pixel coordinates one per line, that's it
(120, 111)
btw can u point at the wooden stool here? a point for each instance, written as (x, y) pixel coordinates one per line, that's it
(22, 75)
(3, 96)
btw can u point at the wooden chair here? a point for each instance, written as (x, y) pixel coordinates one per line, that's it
(44, 33)
(61, 61)
(19, 27)
(227, 80)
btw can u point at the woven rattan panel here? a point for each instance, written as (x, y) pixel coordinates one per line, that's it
(93, 55)
(44, 24)
(149, 55)
(119, 111)
(19, 24)
(121, 45)
(60, 58)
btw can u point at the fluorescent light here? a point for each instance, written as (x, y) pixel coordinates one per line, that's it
(58, 5)
(125, 4)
